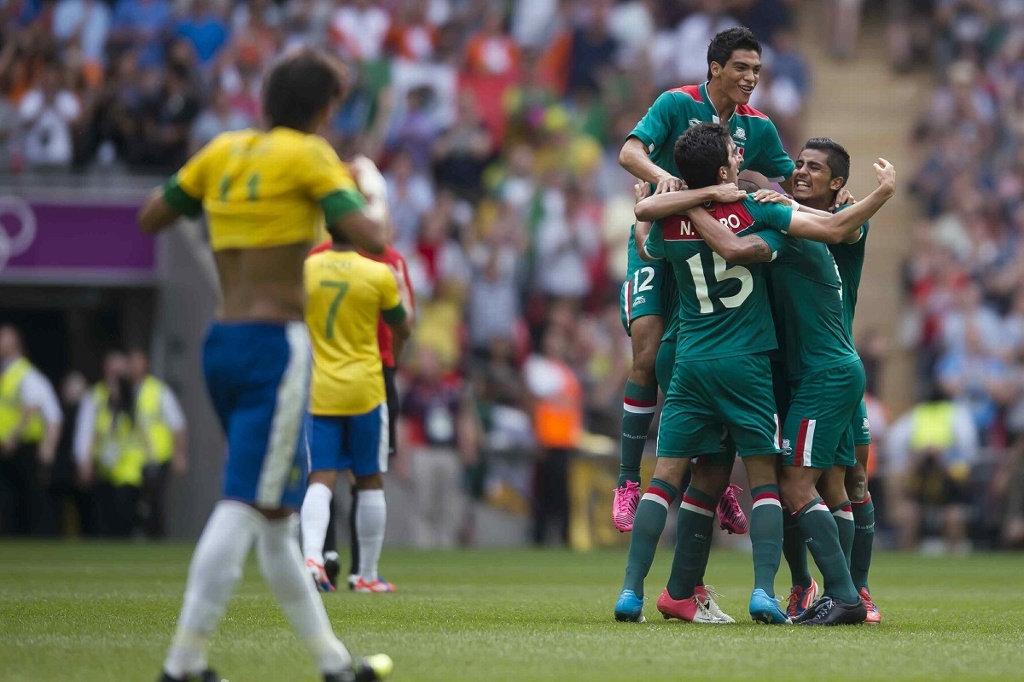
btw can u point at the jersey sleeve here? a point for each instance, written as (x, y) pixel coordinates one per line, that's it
(776, 241)
(772, 160)
(655, 242)
(391, 308)
(771, 216)
(329, 182)
(185, 189)
(856, 249)
(656, 125)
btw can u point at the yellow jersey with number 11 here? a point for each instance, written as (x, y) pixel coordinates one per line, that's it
(262, 189)
(346, 294)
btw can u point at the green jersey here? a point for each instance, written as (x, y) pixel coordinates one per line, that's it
(677, 110)
(723, 309)
(807, 300)
(850, 261)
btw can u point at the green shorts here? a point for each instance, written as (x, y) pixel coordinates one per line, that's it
(817, 431)
(782, 390)
(860, 425)
(641, 293)
(663, 366)
(706, 396)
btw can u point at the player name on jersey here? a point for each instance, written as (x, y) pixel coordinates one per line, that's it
(733, 216)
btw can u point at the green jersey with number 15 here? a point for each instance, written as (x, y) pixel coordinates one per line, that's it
(723, 309)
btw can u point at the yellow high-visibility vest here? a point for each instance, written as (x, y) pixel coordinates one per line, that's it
(118, 449)
(933, 426)
(147, 412)
(11, 406)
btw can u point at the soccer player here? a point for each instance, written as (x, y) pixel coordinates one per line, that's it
(348, 413)
(825, 376)
(385, 340)
(648, 294)
(264, 193)
(822, 170)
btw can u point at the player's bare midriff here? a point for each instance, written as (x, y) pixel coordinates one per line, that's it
(262, 285)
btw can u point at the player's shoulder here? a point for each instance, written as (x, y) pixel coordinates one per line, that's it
(750, 112)
(685, 92)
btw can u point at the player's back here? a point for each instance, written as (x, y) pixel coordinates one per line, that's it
(260, 191)
(346, 295)
(807, 298)
(723, 309)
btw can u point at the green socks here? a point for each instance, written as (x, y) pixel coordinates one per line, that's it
(693, 542)
(822, 537)
(843, 513)
(647, 529)
(795, 550)
(766, 536)
(638, 407)
(863, 539)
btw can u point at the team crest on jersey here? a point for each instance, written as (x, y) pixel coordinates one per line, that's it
(694, 122)
(639, 300)
(741, 134)
(866, 425)
(785, 445)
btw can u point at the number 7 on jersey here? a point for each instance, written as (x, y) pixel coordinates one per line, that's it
(342, 288)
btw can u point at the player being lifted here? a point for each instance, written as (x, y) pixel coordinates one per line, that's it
(348, 413)
(825, 376)
(264, 193)
(822, 170)
(648, 295)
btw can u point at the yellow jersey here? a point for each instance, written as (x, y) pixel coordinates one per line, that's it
(346, 295)
(261, 189)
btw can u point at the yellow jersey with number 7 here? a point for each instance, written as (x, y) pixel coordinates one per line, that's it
(262, 189)
(346, 294)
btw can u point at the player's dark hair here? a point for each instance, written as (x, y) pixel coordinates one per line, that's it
(301, 85)
(838, 158)
(726, 42)
(700, 152)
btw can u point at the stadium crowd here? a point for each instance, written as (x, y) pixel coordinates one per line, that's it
(964, 277)
(497, 125)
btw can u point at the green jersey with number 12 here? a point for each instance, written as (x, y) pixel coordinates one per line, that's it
(723, 309)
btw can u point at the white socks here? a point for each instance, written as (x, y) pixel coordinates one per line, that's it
(371, 517)
(316, 514)
(215, 569)
(285, 572)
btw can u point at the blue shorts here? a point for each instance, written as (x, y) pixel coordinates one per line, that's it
(257, 375)
(357, 442)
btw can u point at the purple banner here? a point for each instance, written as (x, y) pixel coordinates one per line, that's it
(67, 241)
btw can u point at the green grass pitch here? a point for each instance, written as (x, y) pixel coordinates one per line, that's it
(106, 612)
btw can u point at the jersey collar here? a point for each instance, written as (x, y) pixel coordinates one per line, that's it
(710, 105)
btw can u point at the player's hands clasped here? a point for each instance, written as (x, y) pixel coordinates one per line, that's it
(770, 196)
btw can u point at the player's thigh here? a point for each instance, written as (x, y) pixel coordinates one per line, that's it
(641, 295)
(820, 412)
(325, 439)
(740, 392)
(268, 374)
(367, 442)
(688, 428)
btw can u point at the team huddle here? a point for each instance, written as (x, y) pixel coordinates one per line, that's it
(749, 336)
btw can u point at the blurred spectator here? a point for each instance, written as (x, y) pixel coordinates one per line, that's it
(491, 51)
(358, 30)
(143, 25)
(593, 50)
(711, 17)
(558, 424)
(218, 118)
(417, 128)
(567, 237)
(440, 432)
(68, 509)
(413, 37)
(461, 153)
(931, 451)
(493, 306)
(48, 111)
(165, 117)
(83, 25)
(205, 29)
(410, 196)
(30, 425)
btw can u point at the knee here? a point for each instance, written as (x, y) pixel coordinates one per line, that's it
(857, 483)
(711, 480)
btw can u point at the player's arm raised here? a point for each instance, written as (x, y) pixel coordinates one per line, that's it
(840, 227)
(734, 249)
(659, 206)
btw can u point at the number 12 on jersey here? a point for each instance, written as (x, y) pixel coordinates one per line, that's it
(720, 274)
